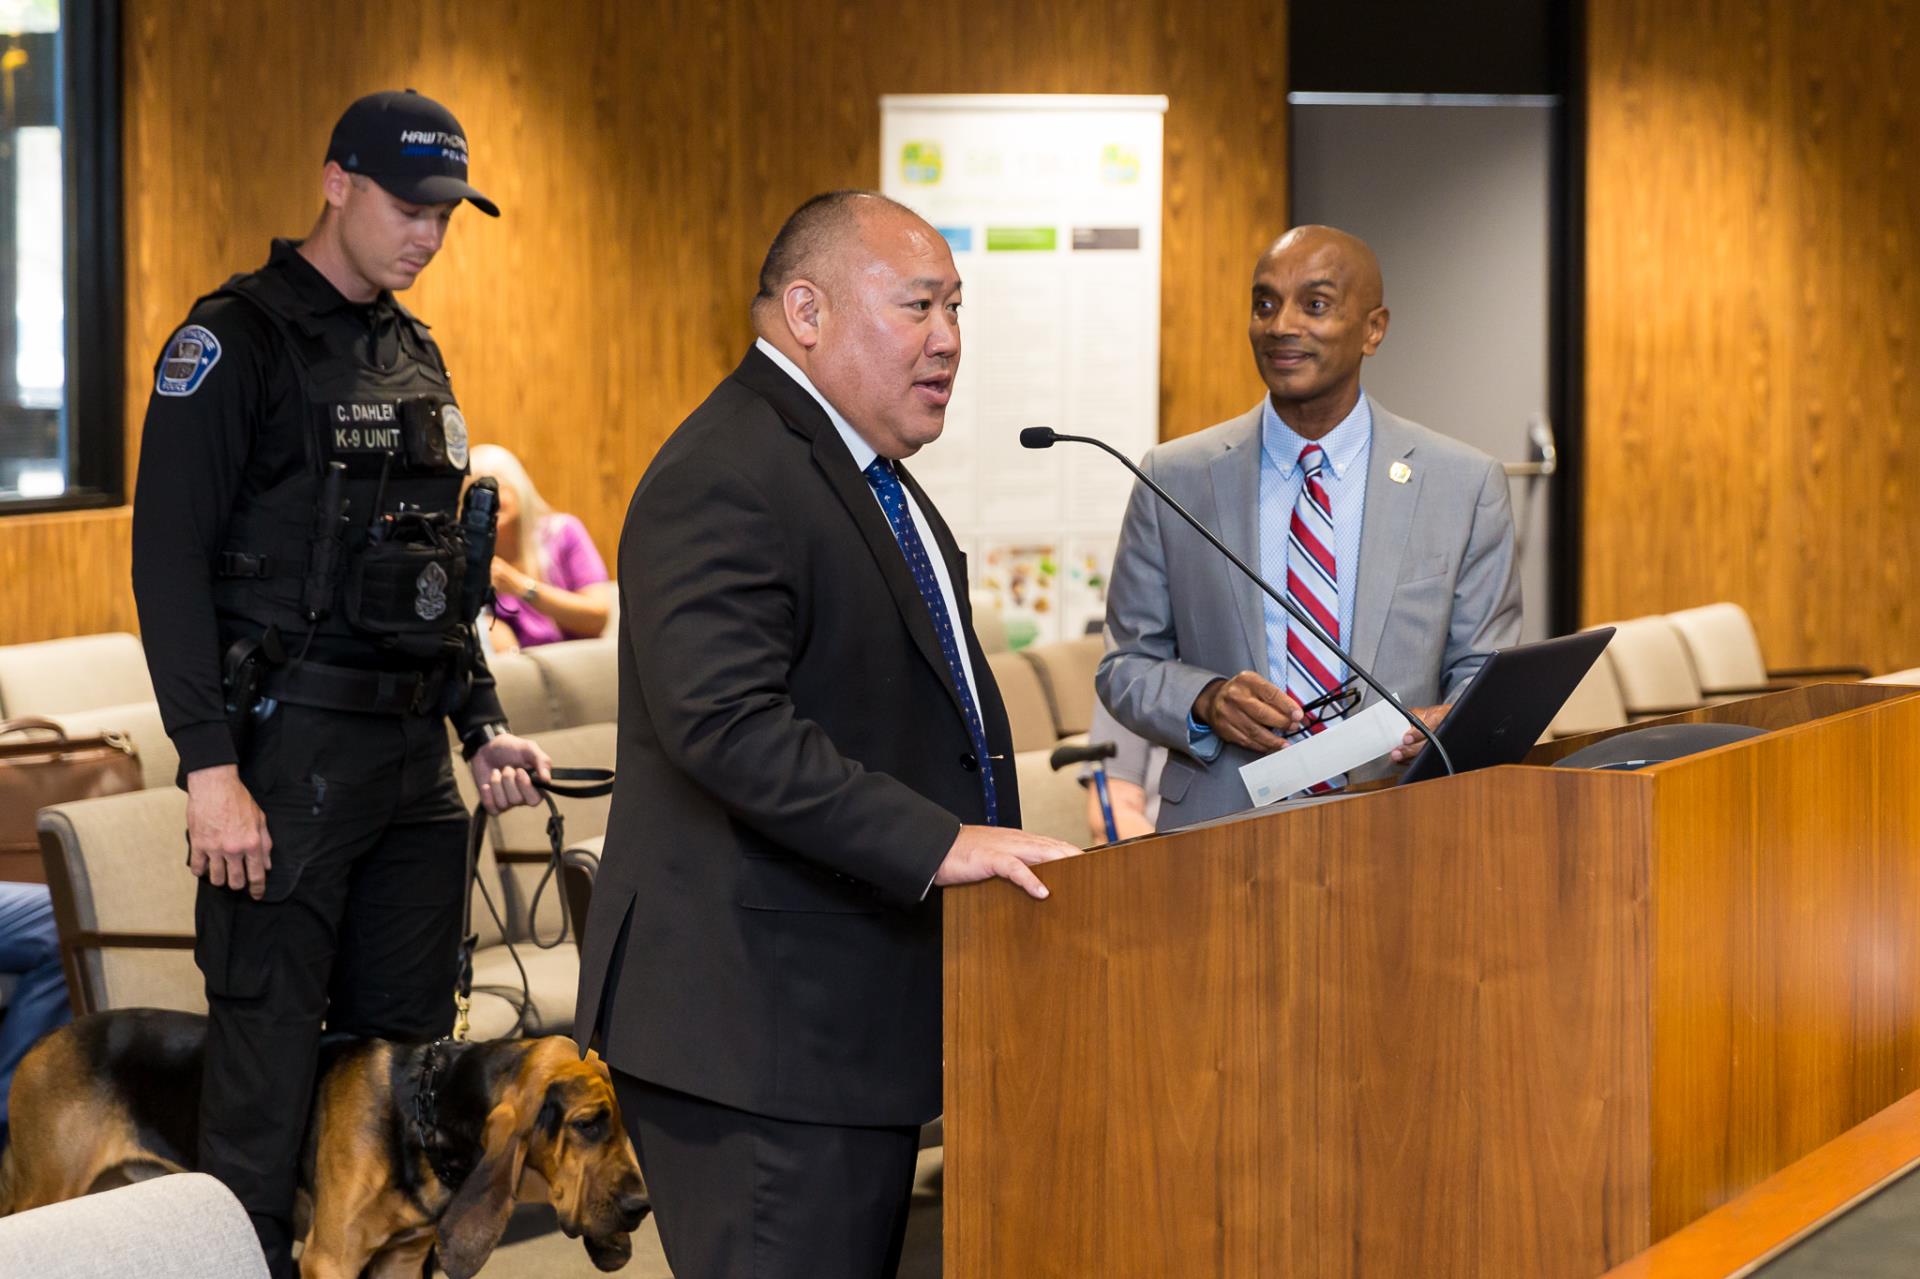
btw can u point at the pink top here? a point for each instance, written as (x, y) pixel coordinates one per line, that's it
(571, 564)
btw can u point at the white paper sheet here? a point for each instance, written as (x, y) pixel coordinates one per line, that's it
(1348, 744)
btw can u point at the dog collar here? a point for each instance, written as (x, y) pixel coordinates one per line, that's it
(451, 1166)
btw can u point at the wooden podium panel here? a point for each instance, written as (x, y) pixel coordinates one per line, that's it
(1786, 1003)
(1523, 1021)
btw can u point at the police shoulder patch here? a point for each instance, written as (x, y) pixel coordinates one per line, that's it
(453, 426)
(191, 354)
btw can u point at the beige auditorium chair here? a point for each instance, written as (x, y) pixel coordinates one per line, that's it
(183, 1226)
(518, 838)
(498, 991)
(1595, 705)
(522, 832)
(1725, 648)
(1909, 676)
(988, 624)
(522, 687)
(1027, 711)
(140, 723)
(77, 674)
(1654, 671)
(123, 900)
(582, 679)
(1066, 672)
(1052, 803)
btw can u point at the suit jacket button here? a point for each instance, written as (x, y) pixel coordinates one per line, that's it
(968, 762)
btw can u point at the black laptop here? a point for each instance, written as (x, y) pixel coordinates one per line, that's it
(1510, 703)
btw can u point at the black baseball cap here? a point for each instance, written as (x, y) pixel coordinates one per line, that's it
(410, 145)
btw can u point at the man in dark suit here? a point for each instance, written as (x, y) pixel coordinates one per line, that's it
(811, 744)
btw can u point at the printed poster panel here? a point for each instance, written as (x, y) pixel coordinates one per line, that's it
(1083, 583)
(1051, 205)
(1022, 581)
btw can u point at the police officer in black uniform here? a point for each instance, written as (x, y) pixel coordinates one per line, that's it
(307, 577)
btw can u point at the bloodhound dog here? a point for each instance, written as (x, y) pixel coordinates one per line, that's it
(409, 1148)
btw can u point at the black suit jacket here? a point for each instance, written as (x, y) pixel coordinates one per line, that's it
(793, 766)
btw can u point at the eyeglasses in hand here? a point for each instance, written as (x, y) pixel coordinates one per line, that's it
(1325, 709)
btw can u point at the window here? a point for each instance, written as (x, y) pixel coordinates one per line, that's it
(60, 425)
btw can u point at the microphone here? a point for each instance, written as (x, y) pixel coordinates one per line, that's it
(1070, 754)
(1045, 437)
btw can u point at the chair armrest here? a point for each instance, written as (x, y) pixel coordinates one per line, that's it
(1804, 673)
(577, 870)
(1753, 690)
(86, 939)
(81, 995)
(1661, 712)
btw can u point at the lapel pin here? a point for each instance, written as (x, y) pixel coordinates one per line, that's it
(1399, 472)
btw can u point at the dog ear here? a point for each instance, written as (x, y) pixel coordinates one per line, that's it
(473, 1223)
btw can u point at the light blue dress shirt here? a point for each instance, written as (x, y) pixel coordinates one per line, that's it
(1348, 447)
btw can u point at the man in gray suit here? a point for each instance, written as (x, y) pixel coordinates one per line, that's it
(1398, 539)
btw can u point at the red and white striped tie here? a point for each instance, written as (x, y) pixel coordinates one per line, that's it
(1313, 582)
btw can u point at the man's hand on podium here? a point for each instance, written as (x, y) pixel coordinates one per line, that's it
(1248, 710)
(984, 852)
(1410, 744)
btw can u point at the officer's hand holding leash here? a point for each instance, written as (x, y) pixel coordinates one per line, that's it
(504, 769)
(227, 839)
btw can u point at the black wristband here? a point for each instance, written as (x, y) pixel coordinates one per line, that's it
(471, 743)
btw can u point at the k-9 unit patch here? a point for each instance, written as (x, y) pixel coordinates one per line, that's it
(365, 428)
(190, 356)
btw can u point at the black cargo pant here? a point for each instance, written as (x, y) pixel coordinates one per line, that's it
(359, 929)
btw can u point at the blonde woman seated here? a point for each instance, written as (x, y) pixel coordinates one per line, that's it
(549, 583)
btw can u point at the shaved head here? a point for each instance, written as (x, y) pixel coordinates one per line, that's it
(1349, 253)
(1317, 313)
(812, 244)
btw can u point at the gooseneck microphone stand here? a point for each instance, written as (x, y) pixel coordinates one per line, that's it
(1045, 437)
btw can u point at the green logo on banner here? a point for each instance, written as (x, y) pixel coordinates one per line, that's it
(1119, 165)
(920, 162)
(1021, 239)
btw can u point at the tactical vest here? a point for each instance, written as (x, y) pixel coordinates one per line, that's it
(395, 574)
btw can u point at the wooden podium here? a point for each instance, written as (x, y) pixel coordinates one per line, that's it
(1522, 1022)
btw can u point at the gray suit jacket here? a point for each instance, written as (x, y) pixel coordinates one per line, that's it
(1439, 589)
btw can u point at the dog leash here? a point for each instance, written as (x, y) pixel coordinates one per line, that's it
(569, 783)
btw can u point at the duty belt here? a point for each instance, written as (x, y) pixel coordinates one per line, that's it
(347, 688)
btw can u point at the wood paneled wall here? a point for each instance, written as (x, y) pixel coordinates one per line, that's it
(1753, 223)
(643, 156)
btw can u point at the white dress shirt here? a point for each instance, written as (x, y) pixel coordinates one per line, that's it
(863, 455)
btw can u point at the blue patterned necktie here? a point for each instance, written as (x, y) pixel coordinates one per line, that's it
(893, 500)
